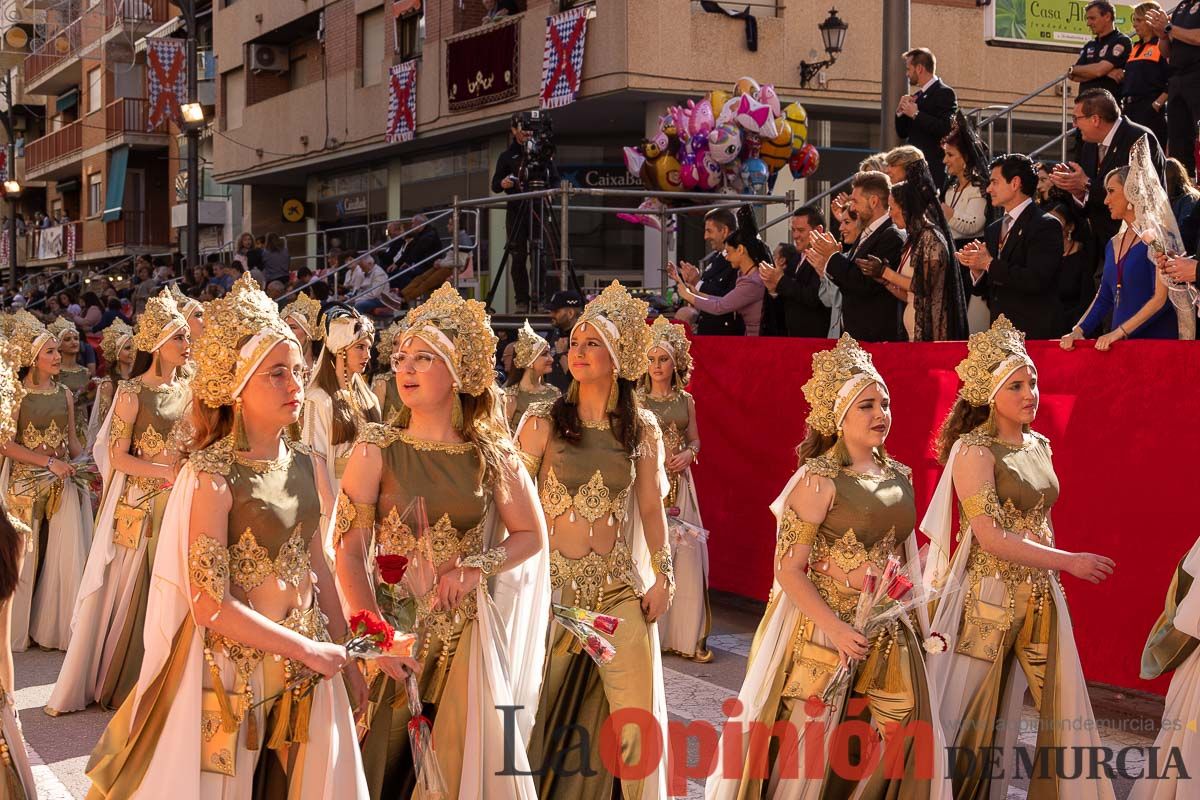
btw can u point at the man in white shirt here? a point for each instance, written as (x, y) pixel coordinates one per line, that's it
(366, 284)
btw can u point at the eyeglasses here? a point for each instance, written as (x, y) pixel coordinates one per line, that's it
(278, 376)
(418, 362)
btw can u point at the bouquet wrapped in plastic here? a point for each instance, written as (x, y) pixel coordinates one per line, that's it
(586, 626)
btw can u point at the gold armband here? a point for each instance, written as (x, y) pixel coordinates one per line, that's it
(793, 531)
(208, 567)
(351, 515)
(489, 562)
(661, 563)
(985, 502)
(119, 429)
(532, 463)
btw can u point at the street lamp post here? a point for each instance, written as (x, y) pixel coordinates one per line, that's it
(12, 189)
(192, 131)
(833, 36)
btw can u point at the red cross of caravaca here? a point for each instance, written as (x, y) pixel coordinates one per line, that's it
(166, 101)
(564, 67)
(402, 86)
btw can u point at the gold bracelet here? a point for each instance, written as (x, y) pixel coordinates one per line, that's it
(349, 513)
(661, 563)
(984, 503)
(208, 567)
(793, 531)
(488, 563)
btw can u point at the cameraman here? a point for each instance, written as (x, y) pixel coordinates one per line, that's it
(509, 178)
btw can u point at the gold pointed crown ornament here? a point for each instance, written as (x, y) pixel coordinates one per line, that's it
(672, 339)
(306, 311)
(992, 357)
(187, 305)
(461, 333)
(529, 346)
(620, 319)
(839, 376)
(61, 326)
(9, 322)
(387, 344)
(243, 327)
(27, 337)
(113, 339)
(11, 392)
(158, 322)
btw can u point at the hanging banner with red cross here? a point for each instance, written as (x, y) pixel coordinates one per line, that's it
(69, 237)
(562, 61)
(402, 103)
(166, 60)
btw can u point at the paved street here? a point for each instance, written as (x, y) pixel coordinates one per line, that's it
(694, 692)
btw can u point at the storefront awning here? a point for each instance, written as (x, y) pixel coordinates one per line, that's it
(70, 99)
(116, 184)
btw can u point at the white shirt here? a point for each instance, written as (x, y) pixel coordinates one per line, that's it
(1016, 212)
(866, 234)
(1107, 143)
(928, 83)
(367, 286)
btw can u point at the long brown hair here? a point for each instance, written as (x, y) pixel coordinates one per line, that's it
(485, 427)
(625, 421)
(345, 423)
(209, 425)
(11, 545)
(817, 444)
(963, 418)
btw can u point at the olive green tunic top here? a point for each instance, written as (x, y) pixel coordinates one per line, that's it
(43, 419)
(547, 394)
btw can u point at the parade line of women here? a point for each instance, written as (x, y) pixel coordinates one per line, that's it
(249, 496)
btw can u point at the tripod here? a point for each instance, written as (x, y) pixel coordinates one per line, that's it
(538, 232)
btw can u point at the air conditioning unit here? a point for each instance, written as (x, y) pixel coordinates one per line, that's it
(268, 58)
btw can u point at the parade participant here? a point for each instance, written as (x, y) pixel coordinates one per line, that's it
(383, 384)
(1004, 618)
(303, 316)
(598, 460)
(684, 628)
(119, 352)
(526, 383)
(72, 374)
(845, 511)
(490, 605)
(138, 451)
(38, 487)
(237, 611)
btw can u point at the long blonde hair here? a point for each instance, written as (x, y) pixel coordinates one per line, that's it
(484, 426)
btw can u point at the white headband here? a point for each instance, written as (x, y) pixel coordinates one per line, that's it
(300, 320)
(343, 332)
(667, 348)
(167, 333)
(41, 341)
(606, 328)
(850, 390)
(440, 343)
(1005, 371)
(253, 353)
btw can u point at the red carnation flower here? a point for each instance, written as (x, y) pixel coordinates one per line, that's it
(392, 568)
(365, 623)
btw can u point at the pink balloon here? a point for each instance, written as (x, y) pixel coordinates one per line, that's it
(767, 96)
(701, 117)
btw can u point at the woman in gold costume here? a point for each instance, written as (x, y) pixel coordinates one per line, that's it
(138, 451)
(684, 629)
(491, 602)
(598, 459)
(72, 374)
(1003, 617)
(303, 316)
(338, 400)
(841, 516)
(116, 344)
(191, 309)
(16, 778)
(526, 383)
(38, 488)
(383, 384)
(242, 601)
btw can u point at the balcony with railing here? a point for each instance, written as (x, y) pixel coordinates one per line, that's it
(55, 152)
(130, 116)
(136, 228)
(54, 243)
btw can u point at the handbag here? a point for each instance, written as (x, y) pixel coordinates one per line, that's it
(813, 666)
(218, 747)
(128, 524)
(984, 625)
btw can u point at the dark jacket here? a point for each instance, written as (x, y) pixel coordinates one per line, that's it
(417, 249)
(870, 313)
(1087, 155)
(717, 279)
(796, 310)
(1023, 279)
(925, 131)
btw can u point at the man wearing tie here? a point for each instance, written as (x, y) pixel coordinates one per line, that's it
(1105, 139)
(1022, 257)
(796, 289)
(924, 117)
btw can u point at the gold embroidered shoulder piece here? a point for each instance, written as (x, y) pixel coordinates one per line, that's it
(511, 391)
(299, 447)
(216, 459)
(824, 466)
(976, 438)
(377, 433)
(132, 385)
(539, 409)
(902, 469)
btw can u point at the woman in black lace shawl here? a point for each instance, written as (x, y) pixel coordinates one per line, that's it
(928, 278)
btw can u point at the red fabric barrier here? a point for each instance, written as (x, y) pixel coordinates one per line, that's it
(1124, 426)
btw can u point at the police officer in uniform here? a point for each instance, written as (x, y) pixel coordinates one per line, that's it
(1102, 55)
(1144, 85)
(1180, 36)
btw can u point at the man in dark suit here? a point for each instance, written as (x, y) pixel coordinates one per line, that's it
(1103, 144)
(924, 117)
(870, 313)
(1022, 257)
(715, 276)
(794, 306)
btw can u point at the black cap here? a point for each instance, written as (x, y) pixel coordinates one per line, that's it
(565, 299)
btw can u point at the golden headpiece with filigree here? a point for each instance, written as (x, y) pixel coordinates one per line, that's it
(11, 392)
(61, 326)
(839, 376)
(28, 336)
(461, 333)
(113, 339)
(243, 327)
(306, 311)
(620, 319)
(672, 339)
(158, 322)
(187, 305)
(992, 357)
(387, 344)
(529, 346)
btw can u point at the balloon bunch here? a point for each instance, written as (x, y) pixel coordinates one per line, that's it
(732, 143)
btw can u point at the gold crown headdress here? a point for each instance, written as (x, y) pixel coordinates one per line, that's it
(11, 392)
(839, 376)
(113, 339)
(158, 322)
(28, 336)
(620, 319)
(387, 344)
(992, 357)
(461, 333)
(187, 305)
(306, 311)
(529, 346)
(61, 326)
(672, 339)
(243, 327)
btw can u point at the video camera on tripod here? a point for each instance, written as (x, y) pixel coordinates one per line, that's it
(537, 158)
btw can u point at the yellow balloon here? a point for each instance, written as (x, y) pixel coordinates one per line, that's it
(797, 118)
(776, 152)
(666, 173)
(718, 98)
(784, 137)
(746, 85)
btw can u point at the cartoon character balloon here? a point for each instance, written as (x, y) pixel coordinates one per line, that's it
(776, 152)
(797, 119)
(804, 162)
(755, 175)
(725, 143)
